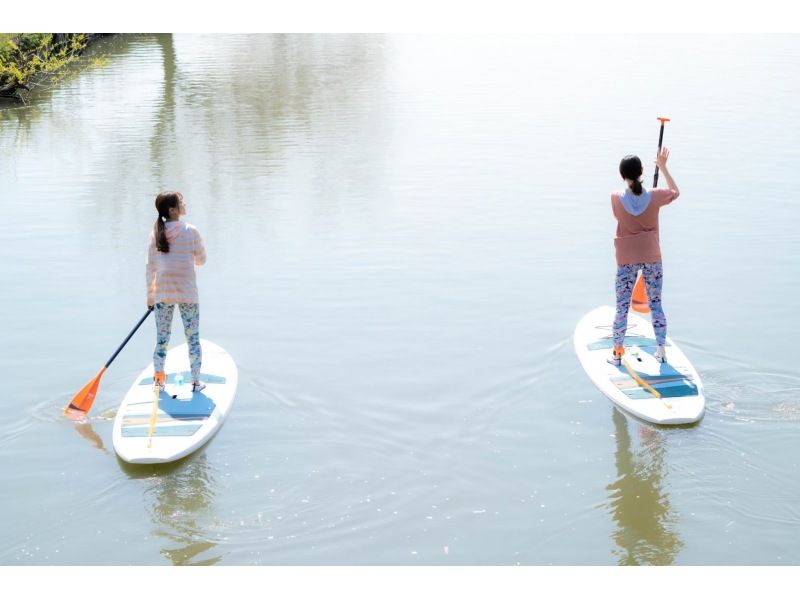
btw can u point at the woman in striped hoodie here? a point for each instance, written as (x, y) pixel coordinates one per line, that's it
(175, 249)
(638, 248)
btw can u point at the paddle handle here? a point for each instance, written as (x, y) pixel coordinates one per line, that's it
(127, 338)
(660, 140)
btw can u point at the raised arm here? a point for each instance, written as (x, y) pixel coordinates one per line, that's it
(199, 249)
(661, 162)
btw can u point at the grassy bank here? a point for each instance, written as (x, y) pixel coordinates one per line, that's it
(29, 59)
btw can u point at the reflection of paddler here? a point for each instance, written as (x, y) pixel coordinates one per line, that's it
(180, 498)
(645, 531)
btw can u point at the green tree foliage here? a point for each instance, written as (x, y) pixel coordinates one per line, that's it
(26, 58)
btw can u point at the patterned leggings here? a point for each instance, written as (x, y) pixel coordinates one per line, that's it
(626, 277)
(190, 314)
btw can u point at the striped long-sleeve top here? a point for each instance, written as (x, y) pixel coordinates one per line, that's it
(637, 240)
(170, 276)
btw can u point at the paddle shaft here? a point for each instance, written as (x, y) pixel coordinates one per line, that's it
(660, 140)
(127, 338)
(83, 400)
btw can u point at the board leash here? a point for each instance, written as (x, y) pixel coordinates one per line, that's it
(644, 384)
(156, 393)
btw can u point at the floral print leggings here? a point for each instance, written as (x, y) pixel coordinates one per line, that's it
(626, 277)
(190, 314)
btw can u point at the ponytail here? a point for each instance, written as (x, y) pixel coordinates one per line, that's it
(164, 201)
(160, 233)
(630, 168)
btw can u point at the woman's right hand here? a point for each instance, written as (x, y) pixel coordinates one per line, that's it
(662, 157)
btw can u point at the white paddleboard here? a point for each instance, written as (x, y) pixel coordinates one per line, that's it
(184, 421)
(682, 400)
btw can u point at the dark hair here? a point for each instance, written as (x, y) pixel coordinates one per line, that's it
(630, 167)
(164, 201)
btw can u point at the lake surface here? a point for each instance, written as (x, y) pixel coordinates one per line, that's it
(402, 232)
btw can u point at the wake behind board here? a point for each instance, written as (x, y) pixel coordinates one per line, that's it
(682, 400)
(185, 420)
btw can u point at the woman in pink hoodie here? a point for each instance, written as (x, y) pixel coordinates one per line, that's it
(175, 249)
(637, 247)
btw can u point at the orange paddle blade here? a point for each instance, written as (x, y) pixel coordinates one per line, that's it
(83, 400)
(639, 300)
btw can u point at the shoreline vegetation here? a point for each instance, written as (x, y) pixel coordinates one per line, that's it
(32, 60)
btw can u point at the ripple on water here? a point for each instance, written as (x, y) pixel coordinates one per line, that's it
(753, 396)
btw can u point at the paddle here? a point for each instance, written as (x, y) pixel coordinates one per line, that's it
(82, 401)
(639, 300)
(660, 139)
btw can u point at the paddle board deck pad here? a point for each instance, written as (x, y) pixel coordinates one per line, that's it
(682, 400)
(185, 420)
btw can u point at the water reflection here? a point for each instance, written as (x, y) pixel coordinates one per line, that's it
(180, 499)
(161, 144)
(85, 429)
(646, 528)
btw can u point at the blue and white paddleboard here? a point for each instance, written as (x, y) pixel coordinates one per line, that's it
(681, 401)
(184, 420)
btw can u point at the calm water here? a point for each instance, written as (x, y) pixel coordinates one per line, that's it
(402, 233)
